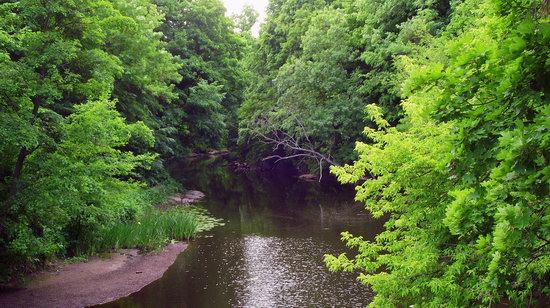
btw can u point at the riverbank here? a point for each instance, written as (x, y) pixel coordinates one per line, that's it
(269, 252)
(97, 281)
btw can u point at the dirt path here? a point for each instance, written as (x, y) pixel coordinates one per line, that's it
(94, 282)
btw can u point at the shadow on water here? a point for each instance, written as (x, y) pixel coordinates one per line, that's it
(270, 252)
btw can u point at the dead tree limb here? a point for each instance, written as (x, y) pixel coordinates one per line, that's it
(297, 146)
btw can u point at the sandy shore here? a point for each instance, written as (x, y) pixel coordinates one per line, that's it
(94, 282)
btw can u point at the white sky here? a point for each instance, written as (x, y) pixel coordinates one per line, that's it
(235, 7)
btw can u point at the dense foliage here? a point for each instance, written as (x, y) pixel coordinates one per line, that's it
(318, 63)
(464, 177)
(447, 98)
(92, 94)
(204, 114)
(455, 149)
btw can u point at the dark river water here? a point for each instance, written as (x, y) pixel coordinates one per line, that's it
(270, 251)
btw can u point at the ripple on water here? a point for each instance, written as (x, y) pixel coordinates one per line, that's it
(286, 272)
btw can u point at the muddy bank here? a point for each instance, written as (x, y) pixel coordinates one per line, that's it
(94, 282)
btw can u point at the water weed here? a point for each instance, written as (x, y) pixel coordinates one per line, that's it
(157, 228)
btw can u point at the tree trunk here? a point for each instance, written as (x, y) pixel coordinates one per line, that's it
(23, 152)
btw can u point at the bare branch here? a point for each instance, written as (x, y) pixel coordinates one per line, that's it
(297, 146)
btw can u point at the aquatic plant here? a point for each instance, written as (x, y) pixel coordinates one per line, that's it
(157, 228)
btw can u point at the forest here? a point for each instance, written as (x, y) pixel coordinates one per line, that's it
(436, 111)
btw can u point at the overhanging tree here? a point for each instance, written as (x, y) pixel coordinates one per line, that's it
(464, 178)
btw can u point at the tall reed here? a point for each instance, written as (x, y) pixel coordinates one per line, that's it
(152, 231)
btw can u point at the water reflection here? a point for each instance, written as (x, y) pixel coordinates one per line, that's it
(266, 276)
(270, 252)
(277, 275)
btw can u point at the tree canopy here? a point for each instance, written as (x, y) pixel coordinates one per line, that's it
(437, 110)
(449, 103)
(324, 61)
(92, 95)
(464, 176)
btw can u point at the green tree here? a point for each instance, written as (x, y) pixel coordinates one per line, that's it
(314, 92)
(202, 36)
(274, 101)
(464, 177)
(245, 20)
(149, 70)
(62, 53)
(75, 188)
(383, 31)
(324, 61)
(53, 56)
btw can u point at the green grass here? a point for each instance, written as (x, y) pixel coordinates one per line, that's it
(154, 230)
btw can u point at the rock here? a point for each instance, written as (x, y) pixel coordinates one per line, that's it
(175, 199)
(194, 195)
(241, 167)
(216, 153)
(309, 177)
(190, 196)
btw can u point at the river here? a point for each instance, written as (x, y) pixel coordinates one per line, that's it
(270, 251)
